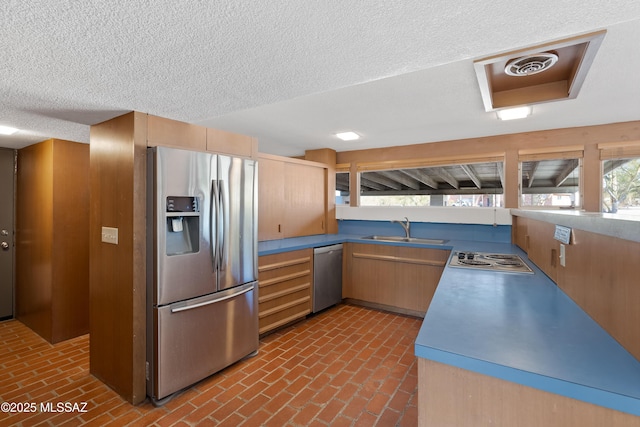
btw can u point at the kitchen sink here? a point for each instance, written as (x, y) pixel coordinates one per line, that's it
(406, 239)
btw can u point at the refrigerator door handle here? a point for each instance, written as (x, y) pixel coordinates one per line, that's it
(213, 301)
(224, 227)
(213, 222)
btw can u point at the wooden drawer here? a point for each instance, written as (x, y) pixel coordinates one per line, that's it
(285, 282)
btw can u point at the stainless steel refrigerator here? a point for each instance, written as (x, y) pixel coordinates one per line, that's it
(202, 291)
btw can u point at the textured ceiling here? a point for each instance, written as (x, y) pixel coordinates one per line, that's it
(292, 73)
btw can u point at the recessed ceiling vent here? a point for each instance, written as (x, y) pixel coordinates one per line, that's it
(531, 64)
(501, 79)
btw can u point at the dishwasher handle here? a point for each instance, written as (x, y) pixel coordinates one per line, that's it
(327, 249)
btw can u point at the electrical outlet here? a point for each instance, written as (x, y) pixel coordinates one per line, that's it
(110, 235)
(563, 257)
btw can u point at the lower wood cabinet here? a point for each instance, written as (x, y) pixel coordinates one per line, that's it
(397, 278)
(543, 249)
(285, 288)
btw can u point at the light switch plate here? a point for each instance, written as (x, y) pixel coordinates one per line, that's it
(110, 235)
(563, 258)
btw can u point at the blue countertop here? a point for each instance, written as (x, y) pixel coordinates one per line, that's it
(517, 327)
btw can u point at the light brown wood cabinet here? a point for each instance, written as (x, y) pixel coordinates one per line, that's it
(304, 195)
(172, 133)
(542, 248)
(291, 198)
(520, 232)
(397, 278)
(52, 238)
(271, 205)
(285, 288)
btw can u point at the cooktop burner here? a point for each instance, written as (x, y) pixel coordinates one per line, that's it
(490, 261)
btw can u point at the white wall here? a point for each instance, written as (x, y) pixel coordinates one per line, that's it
(449, 214)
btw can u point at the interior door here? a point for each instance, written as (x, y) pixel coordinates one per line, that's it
(7, 185)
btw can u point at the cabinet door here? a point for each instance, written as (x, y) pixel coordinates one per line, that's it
(543, 248)
(396, 278)
(219, 141)
(304, 200)
(171, 133)
(521, 233)
(270, 199)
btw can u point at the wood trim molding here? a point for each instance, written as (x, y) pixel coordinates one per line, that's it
(619, 150)
(551, 155)
(434, 161)
(547, 150)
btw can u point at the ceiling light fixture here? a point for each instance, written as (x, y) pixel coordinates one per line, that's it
(514, 113)
(6, 130)
(348, 136)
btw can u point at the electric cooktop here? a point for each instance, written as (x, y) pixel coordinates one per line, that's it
(490, 261)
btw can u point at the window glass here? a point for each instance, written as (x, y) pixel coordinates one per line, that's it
(621, 186)
(550, 183)
(342, 188)
(478, 184)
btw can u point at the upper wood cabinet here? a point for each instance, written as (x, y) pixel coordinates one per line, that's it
(271, 205)
(291, 196)
(234, 144)
(52, 239)
(173, 133)
(304, 193)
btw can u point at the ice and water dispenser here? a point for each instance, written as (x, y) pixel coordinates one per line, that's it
(183, 225)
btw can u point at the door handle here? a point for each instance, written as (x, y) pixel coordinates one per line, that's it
(213, 301)
(4, 246)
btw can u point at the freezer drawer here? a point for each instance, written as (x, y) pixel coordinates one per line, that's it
(327, 276)
(199, 337)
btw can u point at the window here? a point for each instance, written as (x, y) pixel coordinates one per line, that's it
(551, 183)
(621, 186)
(342, 188)
(474, 184)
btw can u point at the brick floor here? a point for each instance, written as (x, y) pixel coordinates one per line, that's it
(347, 366)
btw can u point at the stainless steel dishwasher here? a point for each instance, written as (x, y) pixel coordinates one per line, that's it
(327, 276)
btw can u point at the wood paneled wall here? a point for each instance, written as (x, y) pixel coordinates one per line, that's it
(599, 275)
(52, 236)
(451, 396)
(118, 272)
(587, 137)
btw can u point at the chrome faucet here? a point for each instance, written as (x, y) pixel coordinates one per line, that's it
(406, 225)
